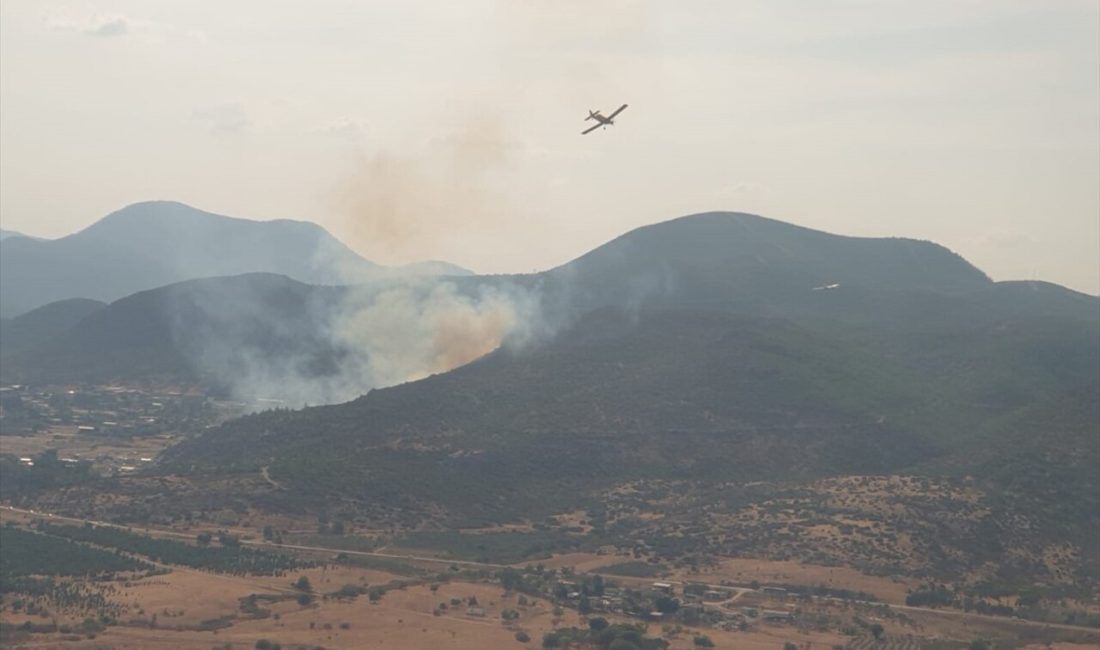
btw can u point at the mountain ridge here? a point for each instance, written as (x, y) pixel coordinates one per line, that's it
(701, 357)
(703, 261)
(155, 243)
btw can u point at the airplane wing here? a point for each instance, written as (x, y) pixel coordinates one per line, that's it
(617, 111)
(591, 129)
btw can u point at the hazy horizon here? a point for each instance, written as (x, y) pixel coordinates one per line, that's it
(433, 131)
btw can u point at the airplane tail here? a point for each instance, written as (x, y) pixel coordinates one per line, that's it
(591, 115)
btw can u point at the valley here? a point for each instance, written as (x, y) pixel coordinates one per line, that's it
(415, 599)
(549, 325)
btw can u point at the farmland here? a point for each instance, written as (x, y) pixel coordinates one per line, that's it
(350, 600)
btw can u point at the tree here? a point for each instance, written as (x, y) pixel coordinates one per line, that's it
(789, 646)
(522, 636)
(510, 579)
(551, 640)
(667, 604)
(204, 539)
(876, 631)
(979, 644)
(584, 607)
(702, 641)
(597, 585)
(597, 624)
(305, 599)
(302, 584)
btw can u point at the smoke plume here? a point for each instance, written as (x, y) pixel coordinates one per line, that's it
(447, 188)
(265, 337)
(405, 205)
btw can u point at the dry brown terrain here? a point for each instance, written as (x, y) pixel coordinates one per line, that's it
(411, 618)
(402, 619)
(581, 561)
(104, 452)
(743, 571)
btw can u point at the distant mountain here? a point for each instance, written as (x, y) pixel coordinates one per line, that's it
(211, 330)
(38, 326)
(733, 263)
(152, 244)
(430, 268)
(4, 234)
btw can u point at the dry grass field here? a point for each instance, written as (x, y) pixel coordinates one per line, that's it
(402, 619)
(743, 571)
(413, 616)
(104, 452)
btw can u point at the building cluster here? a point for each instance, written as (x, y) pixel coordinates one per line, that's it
(78, 419)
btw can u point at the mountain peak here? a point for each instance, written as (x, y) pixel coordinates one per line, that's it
(751, 251)
(154, 243)
(180, 217)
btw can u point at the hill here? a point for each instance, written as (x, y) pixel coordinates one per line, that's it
(211, 330)
(38, 326)
(893, 296)
(698, 416)
(731, 262)
(750, 262)
(729, 372)
(5, 234)
(683, 393)
(720, 373)
(151, 244)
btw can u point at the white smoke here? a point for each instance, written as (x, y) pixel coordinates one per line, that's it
(338, 343)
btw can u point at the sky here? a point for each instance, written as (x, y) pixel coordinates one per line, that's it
(451, 130)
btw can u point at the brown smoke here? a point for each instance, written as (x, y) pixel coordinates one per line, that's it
(425, 326)
(423, 200)
(403, 205)
(464, 333)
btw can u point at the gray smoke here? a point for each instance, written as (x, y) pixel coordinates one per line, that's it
(427, 197)
(264, 337)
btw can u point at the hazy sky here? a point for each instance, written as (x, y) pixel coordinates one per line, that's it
(451, 130)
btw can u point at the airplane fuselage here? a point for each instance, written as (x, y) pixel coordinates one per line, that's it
(595, 115)
(601, 120)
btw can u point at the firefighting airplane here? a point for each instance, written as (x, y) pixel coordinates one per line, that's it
(601, 120)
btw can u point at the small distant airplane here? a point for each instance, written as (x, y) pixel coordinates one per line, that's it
(601, 120)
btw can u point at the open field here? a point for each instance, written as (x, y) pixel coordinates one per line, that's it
(583, 561)
(190, 608)
(104, 452)
(403, 618)
(742, 571)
